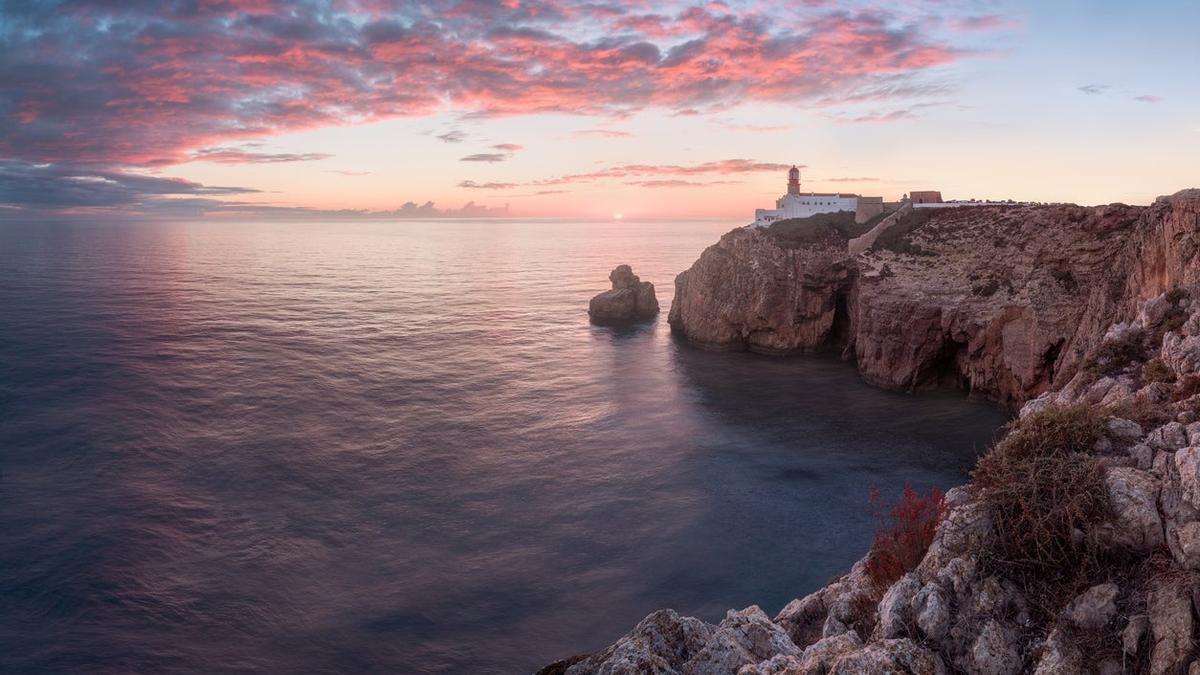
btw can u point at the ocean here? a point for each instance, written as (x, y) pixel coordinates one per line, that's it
(401, 447)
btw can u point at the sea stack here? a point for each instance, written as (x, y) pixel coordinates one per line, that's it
(630, 299)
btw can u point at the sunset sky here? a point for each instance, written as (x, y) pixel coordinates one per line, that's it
(586, 108)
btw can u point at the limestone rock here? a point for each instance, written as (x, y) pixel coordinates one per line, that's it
(815, 660)
(931, 609)
(749, 291)
(1187, 462)
(1171, 628)
(910, 320)
(803, 619)
(1134, 498)
(1143, 456)
(1186, 545)
(1170, 436)
(1059, 657)
(742, 638)
(1095, 607)
(834, 626)
(995, 651)
(661, 643)
(776, 665)
(895, 609)
(963, 529)
(630, 299)
(889, 656)
(1123, 429)
(1009, 299)
(958, 575)
(1181, 354)
(1134, 633)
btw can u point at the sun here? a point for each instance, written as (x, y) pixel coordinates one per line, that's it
(617, 216)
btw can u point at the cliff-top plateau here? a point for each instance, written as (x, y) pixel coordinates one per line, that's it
(1075, 548)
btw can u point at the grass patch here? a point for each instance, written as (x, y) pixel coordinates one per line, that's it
(1112, 356)
(1046, 497)
(1177, 315)
(1145, 413)
(896, 238)
(1157, 371)
(840, 225)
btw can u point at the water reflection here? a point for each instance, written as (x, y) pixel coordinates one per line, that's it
(377, 446)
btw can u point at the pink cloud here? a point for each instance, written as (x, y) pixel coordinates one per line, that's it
(246, 154)
(124, 84)
(678, 183)
(876, 118)
(602, 133)
(718, 167)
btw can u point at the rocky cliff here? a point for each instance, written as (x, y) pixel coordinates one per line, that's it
(1076, 546)
(1002, 300)
(629, 300)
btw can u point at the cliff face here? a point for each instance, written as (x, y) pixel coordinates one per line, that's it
(629, 300)
(1076, 547)
(752, 291)
(1003, 300)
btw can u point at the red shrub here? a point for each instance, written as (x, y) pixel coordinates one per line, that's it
(903, 532)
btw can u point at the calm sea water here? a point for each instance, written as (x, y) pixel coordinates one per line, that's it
(401, 447)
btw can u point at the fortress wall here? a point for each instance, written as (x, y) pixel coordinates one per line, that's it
(861, 244)
(868, 208)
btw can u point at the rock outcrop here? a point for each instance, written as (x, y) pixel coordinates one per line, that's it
(1005, 300)
(959, 610)
(630, 299)
(1116, 407)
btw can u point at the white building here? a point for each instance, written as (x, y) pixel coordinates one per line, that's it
(796, 204)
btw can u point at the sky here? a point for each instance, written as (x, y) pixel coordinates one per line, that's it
(585, 108)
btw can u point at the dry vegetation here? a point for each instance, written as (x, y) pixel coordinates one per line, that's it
(837, 226)
(896, 238)
(1157, 371)
(1046, 496)
(1112, 356)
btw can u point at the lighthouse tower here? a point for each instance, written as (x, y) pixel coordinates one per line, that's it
(795, 204)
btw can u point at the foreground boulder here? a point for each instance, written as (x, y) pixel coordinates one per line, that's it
(630, 299)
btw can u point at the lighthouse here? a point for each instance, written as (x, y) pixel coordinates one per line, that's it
(796, 204)
(793, 181)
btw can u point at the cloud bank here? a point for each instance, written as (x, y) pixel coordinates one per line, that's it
(110, 87)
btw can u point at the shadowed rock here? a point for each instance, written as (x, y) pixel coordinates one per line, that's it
(630, 299)
(1005, 300)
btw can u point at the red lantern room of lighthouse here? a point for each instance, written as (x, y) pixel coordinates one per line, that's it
(793, 181)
